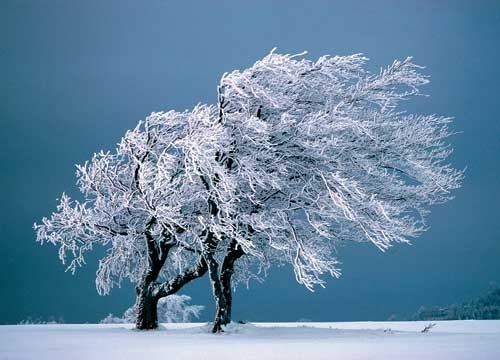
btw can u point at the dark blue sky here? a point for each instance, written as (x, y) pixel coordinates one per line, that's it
(75, 75)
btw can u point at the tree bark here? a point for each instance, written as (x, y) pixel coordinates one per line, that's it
(146, 302)
(213, 273)
(146, 309)
(234, 253)
(221, 284)
(220, 304)
(149, 293)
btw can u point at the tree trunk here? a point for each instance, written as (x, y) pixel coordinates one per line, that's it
(146, 302)
(228, 298)
(220, 302)
(225, 313)
(149, 292)
(147, 309)
(221, 285)
(210, 245)
(227, 271)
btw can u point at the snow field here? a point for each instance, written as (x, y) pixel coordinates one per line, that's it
(343, 341)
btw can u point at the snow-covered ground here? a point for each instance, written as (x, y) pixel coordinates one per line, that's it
(342, 341)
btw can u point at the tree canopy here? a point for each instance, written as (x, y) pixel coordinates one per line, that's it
(295, 158)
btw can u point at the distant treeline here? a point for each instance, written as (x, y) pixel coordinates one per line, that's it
(483, 308)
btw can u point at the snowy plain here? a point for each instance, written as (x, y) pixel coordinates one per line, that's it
(471, 339)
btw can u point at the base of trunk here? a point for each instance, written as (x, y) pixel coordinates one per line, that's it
(219, 321)
(147, 312)
(222, 319)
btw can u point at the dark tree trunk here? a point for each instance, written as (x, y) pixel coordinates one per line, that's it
(147, 309)
(146, 304)
(225, 316)
(149, 292)
(227, 271)
(221, 285)
(220, 301)
(210, 245)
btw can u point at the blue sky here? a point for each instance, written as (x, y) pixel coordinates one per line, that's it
(77, 74)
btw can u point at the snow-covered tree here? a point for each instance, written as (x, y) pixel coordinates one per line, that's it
(321, 153)
(296, 158)
(142, 204)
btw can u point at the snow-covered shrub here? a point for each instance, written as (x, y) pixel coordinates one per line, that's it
(171, 309)
(40, 321)
(176, 308)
